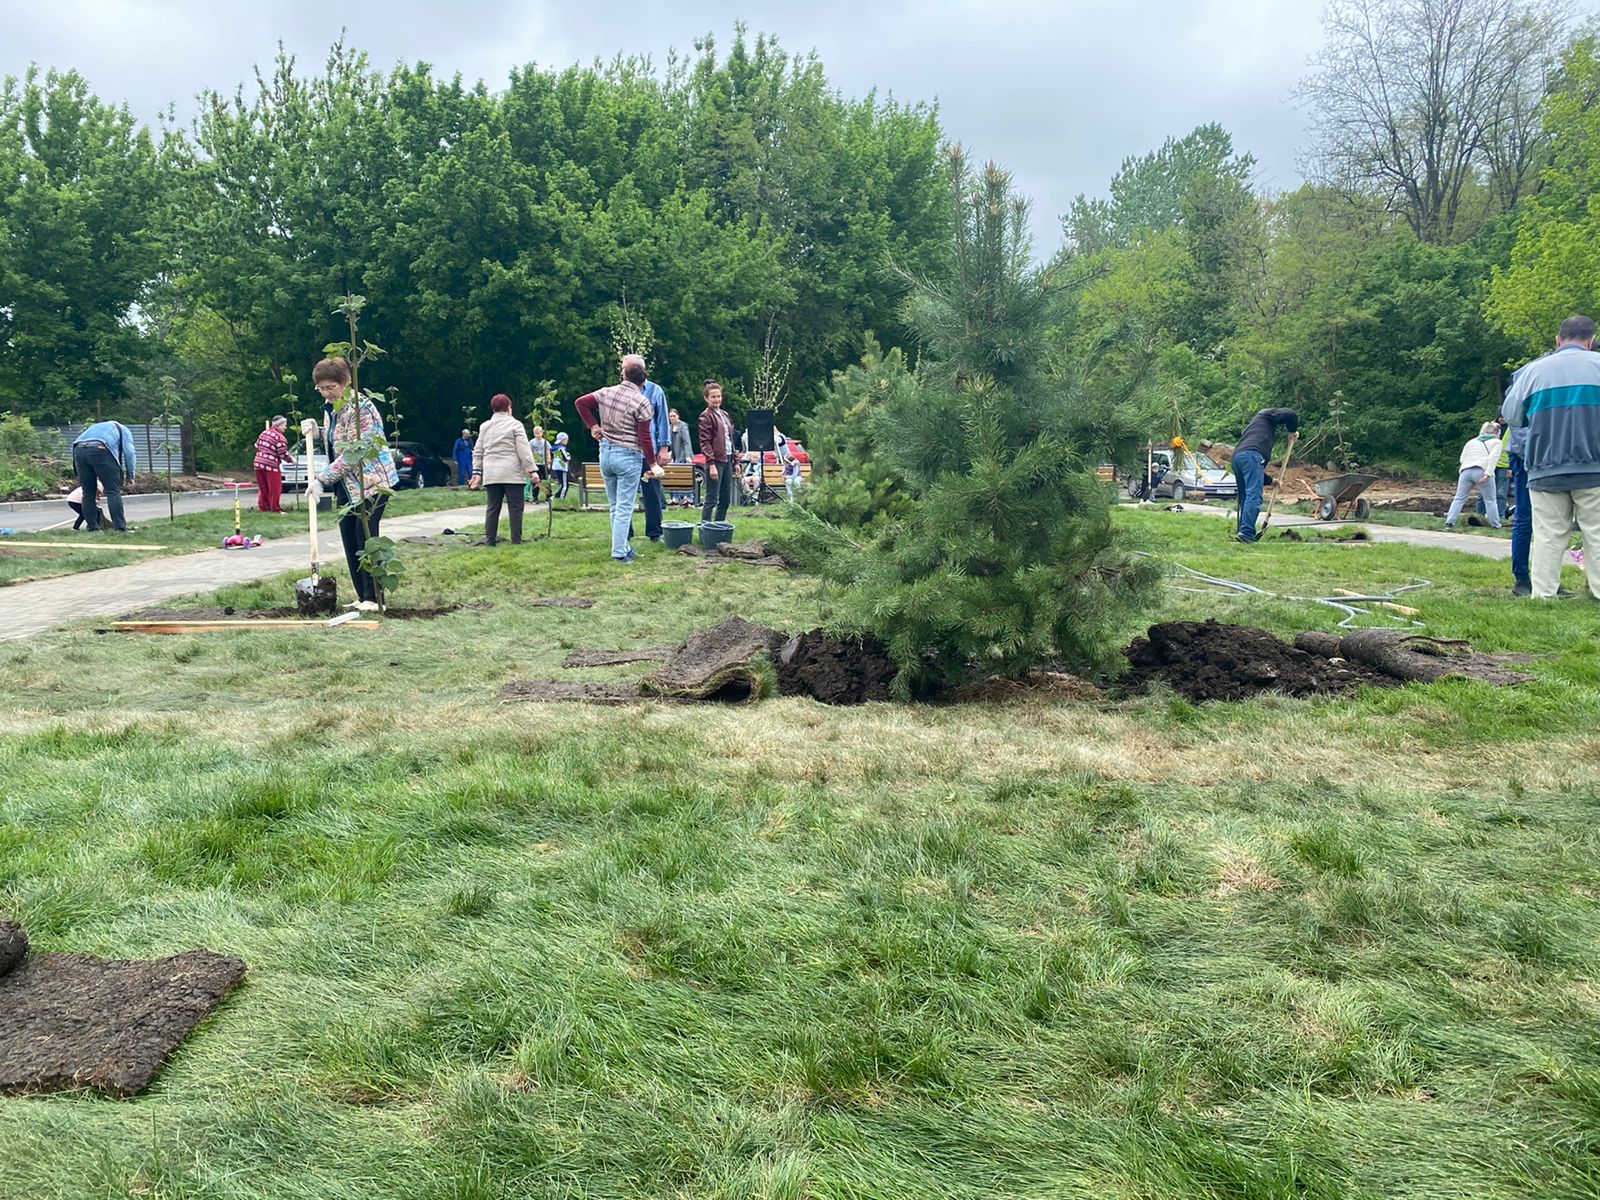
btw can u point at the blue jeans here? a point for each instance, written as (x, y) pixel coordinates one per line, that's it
(620, 467)
(1521, 523)
(652, 497)
(1249, 468)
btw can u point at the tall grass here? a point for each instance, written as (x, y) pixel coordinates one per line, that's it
(1138, 949)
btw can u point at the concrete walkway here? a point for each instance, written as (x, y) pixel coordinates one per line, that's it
(1435, 539)
(31, 516)
(32, 608)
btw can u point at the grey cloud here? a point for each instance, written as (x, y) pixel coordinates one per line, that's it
(1058, 93)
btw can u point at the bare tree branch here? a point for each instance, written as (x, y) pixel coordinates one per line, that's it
(1419, 98)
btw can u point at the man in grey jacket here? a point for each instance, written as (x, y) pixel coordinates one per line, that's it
(1557, 399)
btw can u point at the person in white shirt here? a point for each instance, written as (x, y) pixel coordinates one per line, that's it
(1478, 459)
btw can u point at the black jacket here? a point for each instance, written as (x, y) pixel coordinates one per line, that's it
(1263, 430)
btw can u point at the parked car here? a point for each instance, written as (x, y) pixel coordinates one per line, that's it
(1196, 476)
(419, 467)
(294, 474)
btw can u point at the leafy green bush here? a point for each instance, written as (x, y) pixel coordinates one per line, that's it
(25, 462)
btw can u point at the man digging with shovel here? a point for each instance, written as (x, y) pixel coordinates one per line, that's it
(1250, 463)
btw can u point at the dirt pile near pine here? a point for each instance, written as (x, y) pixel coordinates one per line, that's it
(1208, 660)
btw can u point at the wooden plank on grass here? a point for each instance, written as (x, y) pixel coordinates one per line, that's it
(5, 542)
(222, 626)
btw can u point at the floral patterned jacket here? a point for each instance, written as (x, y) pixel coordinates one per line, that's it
(356, 419)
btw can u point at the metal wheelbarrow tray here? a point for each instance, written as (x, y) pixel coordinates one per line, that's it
(1343, 492)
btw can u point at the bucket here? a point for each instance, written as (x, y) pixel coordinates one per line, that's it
(676, 533)
(714, 533)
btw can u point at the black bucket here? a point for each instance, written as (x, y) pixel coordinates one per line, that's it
(675, 534)
(714, 533)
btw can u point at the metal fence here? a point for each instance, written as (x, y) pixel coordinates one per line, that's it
(152, 445)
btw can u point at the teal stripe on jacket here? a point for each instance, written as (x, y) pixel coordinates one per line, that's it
(1579, 395)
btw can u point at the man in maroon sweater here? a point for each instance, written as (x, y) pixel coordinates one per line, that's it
(619, 419)
(716, 442)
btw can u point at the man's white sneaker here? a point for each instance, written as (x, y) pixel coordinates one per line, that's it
(367, 606)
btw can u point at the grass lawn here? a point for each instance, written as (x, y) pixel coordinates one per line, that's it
(1138, 949)
(190, 532)
(1403, 520)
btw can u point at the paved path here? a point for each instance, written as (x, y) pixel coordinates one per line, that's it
(33, 516)
(1437, 539)
(32, 608)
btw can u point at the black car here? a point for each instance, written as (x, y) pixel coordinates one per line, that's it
(419, 467)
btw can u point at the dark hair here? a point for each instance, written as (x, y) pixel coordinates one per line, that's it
(710, 383)
(500, 402)
(337, 370)
(635, 373)
(1577, 329)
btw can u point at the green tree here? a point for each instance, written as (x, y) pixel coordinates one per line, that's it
(494, 233)
(83, 230)
(1555, 264)
(1004, 555)
(1158, 191)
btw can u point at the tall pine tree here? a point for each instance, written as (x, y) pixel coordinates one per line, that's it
(1003, 556)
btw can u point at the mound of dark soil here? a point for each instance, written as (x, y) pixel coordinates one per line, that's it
(1207, 660)
(13, 945)
(834, 671)
(71, 1021)
(1431, 505)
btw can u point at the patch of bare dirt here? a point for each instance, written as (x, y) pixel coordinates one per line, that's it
(1035, 686)
(562, 602)
(1209, 660)
(541, 691)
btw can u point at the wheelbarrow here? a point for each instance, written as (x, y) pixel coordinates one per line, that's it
(1343, 492)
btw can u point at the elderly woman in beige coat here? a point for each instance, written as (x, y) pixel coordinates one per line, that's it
(502, 463)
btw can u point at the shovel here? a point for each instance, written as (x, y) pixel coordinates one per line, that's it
(1277, 489)
(314, 596)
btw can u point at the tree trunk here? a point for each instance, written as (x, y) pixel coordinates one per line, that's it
(1412, 657)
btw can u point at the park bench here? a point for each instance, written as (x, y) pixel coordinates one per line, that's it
(772, 473)
(678, 478)
(682, 477)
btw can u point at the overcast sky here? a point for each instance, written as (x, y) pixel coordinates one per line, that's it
(1059, 93)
